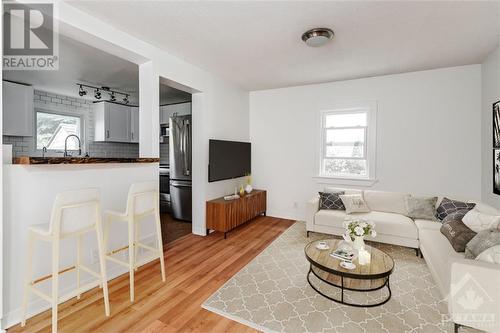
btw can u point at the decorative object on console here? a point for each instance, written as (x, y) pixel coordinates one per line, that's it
(357, 229)
(496, 171)
(248, 187)
(354, 203)
(242, 191)
(458, 234)
(496, 124)
(478, 221)
(448, 206)
(421, 207)
(331, 200)
(481, 242)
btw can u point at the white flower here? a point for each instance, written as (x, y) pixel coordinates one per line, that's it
(363, 224)
(374, 233)
(359, 231)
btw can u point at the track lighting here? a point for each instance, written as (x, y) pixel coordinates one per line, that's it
(112, 97)
(82, 92)
(125, 99)
(97, 94)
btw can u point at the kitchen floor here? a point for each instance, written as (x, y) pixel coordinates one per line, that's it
(172, 229)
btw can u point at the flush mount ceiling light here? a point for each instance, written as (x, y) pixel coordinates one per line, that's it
(317, 37)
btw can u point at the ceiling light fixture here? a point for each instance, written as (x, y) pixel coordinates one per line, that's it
(317, 37)
(82, 92)
(125, 99)
(112, 97)
(97, 94)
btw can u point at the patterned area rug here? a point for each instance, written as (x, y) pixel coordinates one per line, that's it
(271, 294)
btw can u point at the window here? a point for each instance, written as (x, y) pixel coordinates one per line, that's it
(53, 128)
(347, 146)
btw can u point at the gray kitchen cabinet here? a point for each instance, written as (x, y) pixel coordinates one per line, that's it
(112, 122)
(18, 109)
(134, 124)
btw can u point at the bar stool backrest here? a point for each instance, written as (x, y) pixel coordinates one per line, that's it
(75, 211)
(143, 198)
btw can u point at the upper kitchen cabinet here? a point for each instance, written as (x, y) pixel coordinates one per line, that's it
(17, 109)
(167, 111)
(112, 122)
(134, 124)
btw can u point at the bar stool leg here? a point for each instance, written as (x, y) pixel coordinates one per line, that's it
(55, 281)
(102, 265)
(137, 229)
(160, 244)
(131, 256)
(27, 277)
(78, 259)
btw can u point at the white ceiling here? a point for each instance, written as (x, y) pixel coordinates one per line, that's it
(257, 44)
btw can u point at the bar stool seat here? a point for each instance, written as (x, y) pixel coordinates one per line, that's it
(74, 214)
(142, 201)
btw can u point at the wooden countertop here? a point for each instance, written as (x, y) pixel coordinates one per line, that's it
(30, 160)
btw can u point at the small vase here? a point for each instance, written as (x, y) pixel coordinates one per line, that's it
(248, 188)
(359, 243)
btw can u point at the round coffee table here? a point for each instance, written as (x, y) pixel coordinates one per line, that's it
(364, 278)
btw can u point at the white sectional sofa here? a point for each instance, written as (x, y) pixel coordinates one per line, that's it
(449, 269)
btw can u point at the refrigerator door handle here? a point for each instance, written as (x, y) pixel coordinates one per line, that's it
(187, 152)
(180, 184)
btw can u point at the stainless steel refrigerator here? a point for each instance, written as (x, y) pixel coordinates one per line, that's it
(180, 166)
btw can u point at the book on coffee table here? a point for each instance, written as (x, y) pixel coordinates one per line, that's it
(342, 254)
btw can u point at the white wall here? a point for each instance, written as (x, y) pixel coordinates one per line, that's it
(428, 135)
(490, 69)
(220, 109)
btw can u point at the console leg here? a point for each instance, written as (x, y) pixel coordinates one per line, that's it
(417, 252)
(456, 327)
(307, 234)
(208, 232)
(225, 235)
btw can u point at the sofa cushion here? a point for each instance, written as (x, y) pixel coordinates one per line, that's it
(427, 224)
(439, 255)
(458, 234)
(390, 202)
(421, 207)
(330, 200)
(481, 242)
(385, 223)
(354, 203)
(478, 221)
(448, 206)
(458, 215)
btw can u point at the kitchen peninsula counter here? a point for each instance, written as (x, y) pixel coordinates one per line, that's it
(32, 160)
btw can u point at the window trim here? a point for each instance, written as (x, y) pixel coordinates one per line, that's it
(61, 113)
(369, 150)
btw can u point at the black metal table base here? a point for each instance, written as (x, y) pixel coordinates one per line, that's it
(342, 288)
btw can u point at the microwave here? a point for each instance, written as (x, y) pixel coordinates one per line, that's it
(164, 130)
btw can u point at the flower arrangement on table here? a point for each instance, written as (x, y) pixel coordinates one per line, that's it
(357, 229)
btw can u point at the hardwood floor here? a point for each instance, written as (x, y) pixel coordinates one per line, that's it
(196, 267)
(172, 229)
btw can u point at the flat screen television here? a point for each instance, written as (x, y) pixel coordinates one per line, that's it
(228, 159)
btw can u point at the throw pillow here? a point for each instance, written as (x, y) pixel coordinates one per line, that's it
(490, 255)
(448, 206)
(421, 207)
(354, 203)
(481, 242)
(458, 234)
(331, 200)
(478, 221)
(458, 215)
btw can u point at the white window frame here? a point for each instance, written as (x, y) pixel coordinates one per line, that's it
(369, 147)
(60, 113)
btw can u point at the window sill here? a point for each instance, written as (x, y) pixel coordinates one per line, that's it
(363, 182)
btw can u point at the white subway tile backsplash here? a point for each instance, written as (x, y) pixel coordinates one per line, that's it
(50, 101)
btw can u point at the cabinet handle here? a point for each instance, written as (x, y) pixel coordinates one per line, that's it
(132, 135)
(107, 134)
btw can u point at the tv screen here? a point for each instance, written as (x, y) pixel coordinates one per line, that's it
(228, 159)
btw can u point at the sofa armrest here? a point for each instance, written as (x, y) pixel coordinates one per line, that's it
(312, 207)
(474, 298)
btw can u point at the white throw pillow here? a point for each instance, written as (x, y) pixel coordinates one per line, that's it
(478, 221)
(490, 255)
(354, 203)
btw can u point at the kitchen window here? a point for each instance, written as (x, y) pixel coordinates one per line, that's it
(52, 129)
(347, 149)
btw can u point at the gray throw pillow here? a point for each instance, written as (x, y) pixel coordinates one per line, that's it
(458, 215)
(331, 200)
(481, 242)
(448, 206)
(421, 207)
(458, 234)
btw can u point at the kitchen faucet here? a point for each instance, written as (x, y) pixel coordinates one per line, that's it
(66, 145)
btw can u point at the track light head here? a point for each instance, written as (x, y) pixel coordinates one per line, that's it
(112, 97)
(82, 92)
(97, 94)
(125, 99)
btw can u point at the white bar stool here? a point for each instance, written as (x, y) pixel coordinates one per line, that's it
(74, 213)
(142, 201)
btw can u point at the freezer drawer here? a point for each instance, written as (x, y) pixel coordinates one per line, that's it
(180, 199)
